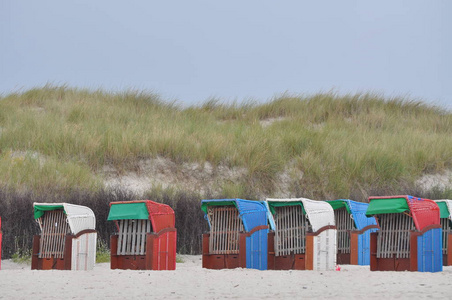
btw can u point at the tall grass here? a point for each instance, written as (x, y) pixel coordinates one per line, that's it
(343, 145)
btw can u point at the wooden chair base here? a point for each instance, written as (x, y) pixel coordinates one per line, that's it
(128, 262)
(343, 259)
(160, 253)
(221, 261)
(51, 263)
(287, 262)
(284, 262)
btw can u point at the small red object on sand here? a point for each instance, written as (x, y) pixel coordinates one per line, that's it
(338, 268)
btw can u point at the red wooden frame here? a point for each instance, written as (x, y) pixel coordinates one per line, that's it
(447, 258)
(154, 259)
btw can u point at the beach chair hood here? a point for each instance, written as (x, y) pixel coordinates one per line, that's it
(445, 208)
(252, 213)
(319, 213)
(357, 210)
(424, 212)
(161, 215)
(79, 217)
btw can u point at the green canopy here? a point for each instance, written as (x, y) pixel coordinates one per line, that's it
(336, 204)
(443, 210)
(128, 211)
(386, 206)
(40, 209)
(273, 204)
(216, 203)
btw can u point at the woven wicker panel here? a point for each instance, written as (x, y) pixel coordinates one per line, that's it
(394, 235)
(53, 235)
(225, 226)
(291, 228)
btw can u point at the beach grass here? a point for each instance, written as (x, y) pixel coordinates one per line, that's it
(341, 144)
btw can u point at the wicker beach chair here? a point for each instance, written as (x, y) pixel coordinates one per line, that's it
(237, 234)
(68, 237)
(304, 237)
(409, 238)
(146, 236)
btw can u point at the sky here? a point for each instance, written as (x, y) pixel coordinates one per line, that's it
(192, 51)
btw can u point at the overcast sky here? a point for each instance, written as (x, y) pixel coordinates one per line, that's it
(232, 50)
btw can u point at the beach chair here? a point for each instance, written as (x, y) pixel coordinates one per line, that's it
(237, 236)
(68, 237)
(304, 237)
(146, 236)
(353, 231)
(0, 243)
(409, 238)
(445, 207)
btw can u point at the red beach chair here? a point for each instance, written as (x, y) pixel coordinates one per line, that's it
(146, 236)
(409, 238)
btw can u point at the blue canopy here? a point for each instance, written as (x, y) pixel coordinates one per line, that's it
(252, 213)
(358, 211)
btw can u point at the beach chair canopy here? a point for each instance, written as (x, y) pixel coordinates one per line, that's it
(424, 212)
(252, 213)
(78, 217)
(356, 209)
(445, 208)
(319, 213)
(161, 215)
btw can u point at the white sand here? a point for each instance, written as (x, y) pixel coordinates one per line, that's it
(191, 281)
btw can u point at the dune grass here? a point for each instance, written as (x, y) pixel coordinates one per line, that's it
(22, 257)
(60, 136)
(102, 252)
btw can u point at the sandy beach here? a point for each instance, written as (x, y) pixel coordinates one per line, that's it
(191, 281)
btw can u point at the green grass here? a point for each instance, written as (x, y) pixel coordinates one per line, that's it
(22, 257)
(102, 252)
(179, 259)
(61, 137)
